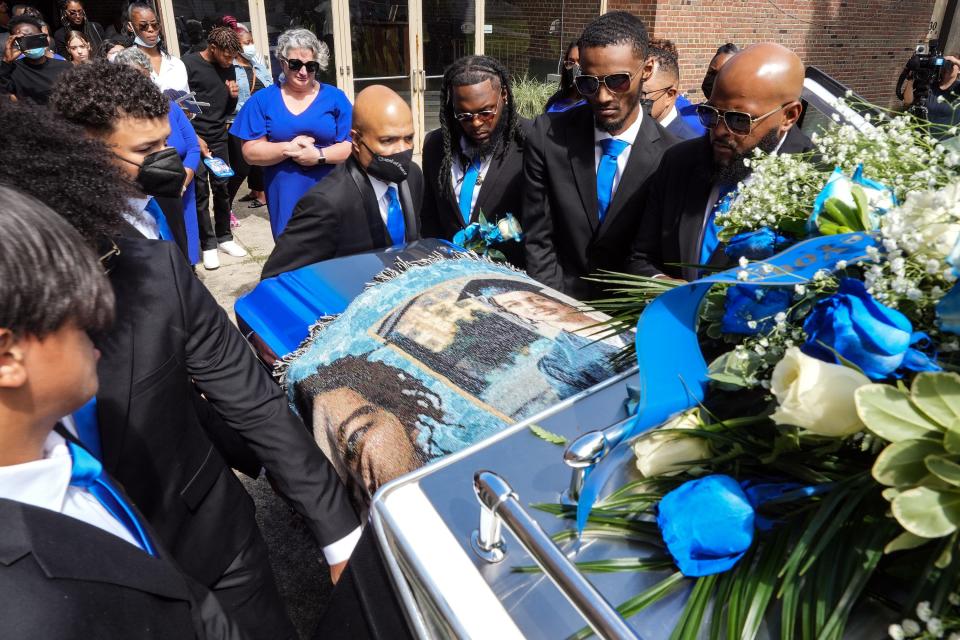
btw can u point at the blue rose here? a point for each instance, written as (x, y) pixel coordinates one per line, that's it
(756, 245)
(707, 524)
(750, 309)
(468, 236)
(853, 326)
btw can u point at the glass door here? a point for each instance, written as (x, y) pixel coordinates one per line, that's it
(448, 33)
(381, 50)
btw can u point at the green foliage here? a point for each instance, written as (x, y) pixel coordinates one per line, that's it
(549, 436)
(530, 95)
(922, 461)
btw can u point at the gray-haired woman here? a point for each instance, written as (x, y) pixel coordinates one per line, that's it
(296, 129)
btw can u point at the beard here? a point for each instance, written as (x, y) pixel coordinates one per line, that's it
(610, 127)
(487, 147)
(736, 171)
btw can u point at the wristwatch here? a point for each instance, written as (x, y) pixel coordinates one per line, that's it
(323, 158)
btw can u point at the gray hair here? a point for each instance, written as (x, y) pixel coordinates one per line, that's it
(303, 39)
(133, 57)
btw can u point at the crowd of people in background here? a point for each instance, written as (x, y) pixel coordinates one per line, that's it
(114, 148)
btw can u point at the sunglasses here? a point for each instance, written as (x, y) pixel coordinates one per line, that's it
(738, 122)
(148, 26)
(569, 64)
(295, 65)
(485, 116)
(615, 82)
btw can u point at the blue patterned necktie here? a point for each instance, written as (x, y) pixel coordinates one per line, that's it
(88, 428)
(710, 231)
(467, 188)
(154, 211)
(395, 226)
(88, 474)
(606, 172)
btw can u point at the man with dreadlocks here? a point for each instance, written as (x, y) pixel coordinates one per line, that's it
(474, 162)
(212, 77)
(585, 169)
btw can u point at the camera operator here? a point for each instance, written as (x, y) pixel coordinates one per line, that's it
(940, 111)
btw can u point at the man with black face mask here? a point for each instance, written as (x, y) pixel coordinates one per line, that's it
(369, 202)
(177, 379)
(755, 104)
(474, 162)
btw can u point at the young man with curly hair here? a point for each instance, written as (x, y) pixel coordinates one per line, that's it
(175, 375)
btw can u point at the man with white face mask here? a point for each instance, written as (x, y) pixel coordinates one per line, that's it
(31, 77)
(166, 71)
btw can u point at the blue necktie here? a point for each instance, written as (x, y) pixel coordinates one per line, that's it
(88, 428)
(395, 225)
(710, 230)
(155, 212)
(88, 474)
(466, 189)
(606, 172)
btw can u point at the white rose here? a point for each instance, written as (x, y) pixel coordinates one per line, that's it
(661, 453)
(816, 395)
(509, 227)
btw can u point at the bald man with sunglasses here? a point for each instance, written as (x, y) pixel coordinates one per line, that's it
(755, 104)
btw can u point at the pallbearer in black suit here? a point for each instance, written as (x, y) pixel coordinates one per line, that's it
(77, 560)
(755, 104)
(585, 169)
(474, 162)
(369, 202)
(661, 92)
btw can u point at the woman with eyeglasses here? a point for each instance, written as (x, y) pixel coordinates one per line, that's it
(567, 97)
(167, 72)
(74, 20)
(296, 129)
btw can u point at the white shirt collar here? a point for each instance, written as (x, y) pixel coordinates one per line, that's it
(380, 187)
(670, 117)
(41, 483)
(140, 220)
(628, 136)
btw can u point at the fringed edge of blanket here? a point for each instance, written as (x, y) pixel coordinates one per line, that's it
(399, 268)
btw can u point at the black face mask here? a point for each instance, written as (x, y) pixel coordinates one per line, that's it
(392, 168)
(161, 174)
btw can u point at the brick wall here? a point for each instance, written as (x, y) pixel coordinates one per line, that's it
(862, 43)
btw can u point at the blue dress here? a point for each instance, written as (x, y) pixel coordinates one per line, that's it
(326, 120)
(184, 139)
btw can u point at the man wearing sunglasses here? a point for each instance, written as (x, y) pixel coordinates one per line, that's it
(755, 104)
(585, 169)
(474, 162)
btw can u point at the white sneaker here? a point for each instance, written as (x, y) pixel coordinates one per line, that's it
(231, 248)
(211, 259)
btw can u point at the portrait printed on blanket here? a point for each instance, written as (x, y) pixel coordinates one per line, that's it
(438, 358)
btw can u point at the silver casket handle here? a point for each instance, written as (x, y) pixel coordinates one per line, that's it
(499, 506)
(584, 453)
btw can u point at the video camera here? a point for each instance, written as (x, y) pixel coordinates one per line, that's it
(923, 68)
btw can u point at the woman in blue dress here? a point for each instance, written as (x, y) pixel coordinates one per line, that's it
(184, 139)
(296, 129)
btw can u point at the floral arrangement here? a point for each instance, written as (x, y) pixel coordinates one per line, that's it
(821, 470)
(482, 237)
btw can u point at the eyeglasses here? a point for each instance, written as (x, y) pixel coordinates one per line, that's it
(615, 82)
(295, 65)
(485, 116)
(149, 26)
(738, 122)
(646, 95)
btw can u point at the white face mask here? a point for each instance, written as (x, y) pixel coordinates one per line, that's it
(249, 50)
(139, 41)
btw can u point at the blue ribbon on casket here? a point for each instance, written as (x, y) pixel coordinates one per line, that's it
(673, 373)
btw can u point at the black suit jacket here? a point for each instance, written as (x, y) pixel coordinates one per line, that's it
(564, 238)
(61, 578)
(169, 337)
(339, 216)
(674, 210)
(500, 193)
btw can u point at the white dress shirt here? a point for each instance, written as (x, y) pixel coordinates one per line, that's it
(457, 173)
(670, 117)
(380, 190)
(628, 136)
(173, 74)
(140, 220)
(45, 483)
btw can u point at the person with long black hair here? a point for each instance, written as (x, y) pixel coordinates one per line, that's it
(567, 97)
(474, 162)
(74, 18)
